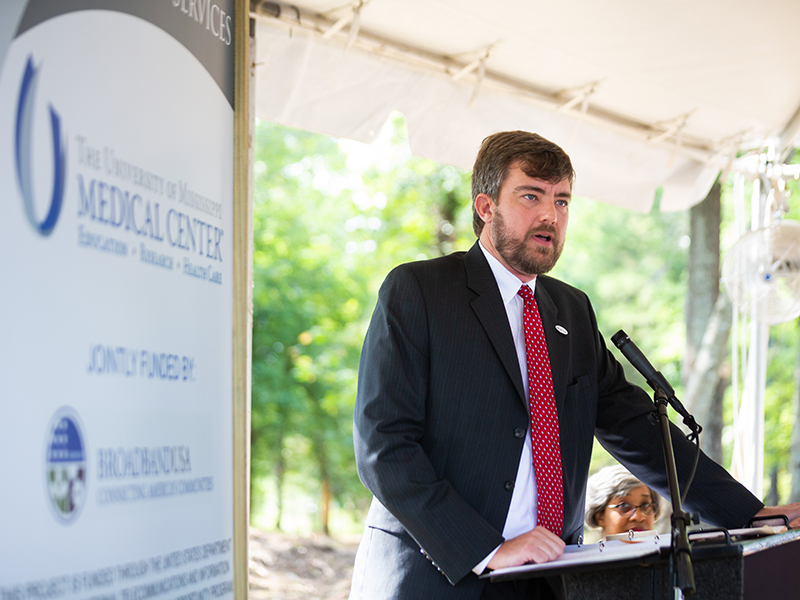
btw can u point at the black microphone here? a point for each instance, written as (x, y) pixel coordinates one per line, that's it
(637, 358)
(654, 378)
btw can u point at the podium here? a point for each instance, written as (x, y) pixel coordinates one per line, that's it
(763, 568)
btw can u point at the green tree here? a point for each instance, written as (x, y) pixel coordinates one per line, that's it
(309, 301)
(324, 238)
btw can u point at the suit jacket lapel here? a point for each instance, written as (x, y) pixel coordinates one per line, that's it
(557, 340)
(488, 307)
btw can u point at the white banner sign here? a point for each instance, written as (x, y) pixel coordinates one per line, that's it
(116, 196)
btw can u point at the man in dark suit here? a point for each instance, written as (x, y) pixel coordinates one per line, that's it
(443, 415)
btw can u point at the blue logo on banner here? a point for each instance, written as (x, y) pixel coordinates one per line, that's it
(65, 465)
(22, 154)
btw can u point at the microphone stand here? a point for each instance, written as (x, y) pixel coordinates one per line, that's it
(681, 571)
(681, 550)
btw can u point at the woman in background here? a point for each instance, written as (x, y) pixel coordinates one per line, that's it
(617, 502)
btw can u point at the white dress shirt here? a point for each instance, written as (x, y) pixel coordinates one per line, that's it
(522, 512)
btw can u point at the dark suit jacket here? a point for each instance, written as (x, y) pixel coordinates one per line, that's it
(441, 417)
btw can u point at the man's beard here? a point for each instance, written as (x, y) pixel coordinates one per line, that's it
(519, 256)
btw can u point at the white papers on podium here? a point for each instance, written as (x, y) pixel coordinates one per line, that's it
(596, 556)
(739, 534)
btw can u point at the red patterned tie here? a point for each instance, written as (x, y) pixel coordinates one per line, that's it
(544, 419)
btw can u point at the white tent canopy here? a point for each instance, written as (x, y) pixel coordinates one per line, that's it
(641, 95)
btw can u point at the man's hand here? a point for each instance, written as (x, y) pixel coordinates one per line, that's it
(792, 512)
(537, 546)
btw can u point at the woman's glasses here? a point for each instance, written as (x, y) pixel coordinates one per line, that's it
(647, 509)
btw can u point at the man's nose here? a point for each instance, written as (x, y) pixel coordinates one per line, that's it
(548, 213)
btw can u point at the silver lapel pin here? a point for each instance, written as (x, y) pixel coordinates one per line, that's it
(561, 330)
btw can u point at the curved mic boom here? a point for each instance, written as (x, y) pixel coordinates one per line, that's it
(654, 378)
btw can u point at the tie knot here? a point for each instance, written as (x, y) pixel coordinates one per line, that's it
(526, 293)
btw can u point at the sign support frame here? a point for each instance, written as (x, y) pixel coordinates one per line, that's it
(244, 74)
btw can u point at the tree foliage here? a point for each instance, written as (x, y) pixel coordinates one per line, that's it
(308, 302)
(325, 235)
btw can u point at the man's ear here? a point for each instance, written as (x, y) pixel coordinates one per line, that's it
(484, 207)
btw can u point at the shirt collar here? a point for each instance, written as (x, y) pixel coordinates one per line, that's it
(508, 283)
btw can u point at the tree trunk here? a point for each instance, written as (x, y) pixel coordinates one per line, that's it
(325, 481)
(794, 455)
(319, 449)
(774, 497)
(703, 287)
(708, 321)
(445, 232)
(706, 384)
(326, 505)
(280, 472)
(715, 422)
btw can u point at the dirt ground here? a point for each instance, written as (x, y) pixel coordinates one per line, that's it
(290, 567)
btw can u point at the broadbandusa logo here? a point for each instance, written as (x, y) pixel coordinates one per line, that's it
(22, 154)
(66, 465)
